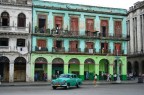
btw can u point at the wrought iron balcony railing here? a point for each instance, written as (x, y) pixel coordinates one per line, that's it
(41, 48)
(90, 51)
(74, 50)
(55, 49)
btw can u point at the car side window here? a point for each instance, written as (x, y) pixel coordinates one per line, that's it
(75, 76)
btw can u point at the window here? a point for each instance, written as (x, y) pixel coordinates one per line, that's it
(58, 22)
(58, 44)
(74, 27)
(21, 42)
(4, 41)
(90, 25)
(118, 28)
(42, 23)
(21, 20)
(5, 19)
(104, 28)
(41, 43)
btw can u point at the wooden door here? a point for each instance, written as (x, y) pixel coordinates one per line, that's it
(117, 48)
(104, 28)
(58, 22)
(74, 26)
(41, 43)
(90, 25)
(118, 29)
(74, 46)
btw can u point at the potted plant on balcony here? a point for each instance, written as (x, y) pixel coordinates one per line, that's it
(36, 29)
(48, 30)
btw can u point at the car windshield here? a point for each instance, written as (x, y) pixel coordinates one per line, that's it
(64, 76)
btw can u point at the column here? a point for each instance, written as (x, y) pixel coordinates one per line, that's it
(82, 25)
(32, 71)
(111, 26)
(97, 23)
(66, 22)
(97, 70)
(124, 69)
(49, 72)
(27, 72)
(82, 71)
(111, 68)
(50, 21)
(65, 68)
(11, 72)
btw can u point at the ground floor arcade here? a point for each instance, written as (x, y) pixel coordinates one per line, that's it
(14, 69)
(85, 66)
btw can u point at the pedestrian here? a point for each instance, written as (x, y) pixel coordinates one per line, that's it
(115, 77)
(108, 77)
(95, 79)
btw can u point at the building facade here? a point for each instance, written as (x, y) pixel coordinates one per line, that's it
(15, 39)
(135, 28)
(80, 39)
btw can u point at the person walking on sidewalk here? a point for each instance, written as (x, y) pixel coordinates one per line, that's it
(95, 79)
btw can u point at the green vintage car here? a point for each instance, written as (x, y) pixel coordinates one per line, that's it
(66, 81)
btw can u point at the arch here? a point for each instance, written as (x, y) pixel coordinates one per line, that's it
(21, 20)
(57, 61)
(129, 67)
(57, 67)
(74, 66)
(4, 59)
(89, 69)
(89, 61)
(20, 60)
(4, 68)
(41, 60)
(103, 68)
(5, 18)
(142, 66)
(74, 61)
(116, 63)
(136, 68)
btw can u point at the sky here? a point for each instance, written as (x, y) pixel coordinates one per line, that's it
(125, 4)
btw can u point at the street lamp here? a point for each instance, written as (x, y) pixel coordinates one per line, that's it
(118, 72)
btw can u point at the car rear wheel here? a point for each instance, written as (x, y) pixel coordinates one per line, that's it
(54, 87)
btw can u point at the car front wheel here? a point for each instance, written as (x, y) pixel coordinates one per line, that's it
(54, 87)
(68, 86)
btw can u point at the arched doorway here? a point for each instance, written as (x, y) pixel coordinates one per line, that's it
(40, 69)
(57, 67)
(143, 67)
(4, 68)
(89, 69)
(103, 69)
(20, 69)
(119, 64)
(74, 66)
(136, 69)
(129, 68)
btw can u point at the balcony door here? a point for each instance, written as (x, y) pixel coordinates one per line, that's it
(118, 28)
(104, 47)
(90, 26)
(74, 46)
(117, 48)
(74, 26)
(89, 47)
(104, 28)
(41, 43)
(42, 23)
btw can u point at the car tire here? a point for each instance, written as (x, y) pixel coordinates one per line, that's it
(68, 86)
(78, 85)
(54, 87)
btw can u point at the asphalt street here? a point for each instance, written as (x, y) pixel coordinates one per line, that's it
(115, 89)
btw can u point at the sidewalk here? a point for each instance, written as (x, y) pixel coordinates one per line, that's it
(86, 82)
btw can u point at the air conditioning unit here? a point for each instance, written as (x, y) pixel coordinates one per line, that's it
(39, 48)
(90, 50)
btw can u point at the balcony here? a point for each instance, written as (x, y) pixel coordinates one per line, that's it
(55, 50)
(41, 48)
(136, 54)
(74, 50)
(42, 30)
(104, 51)
(119, 52)
(10, 29)
(5, 49)
(91, 34)
(89, 51)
